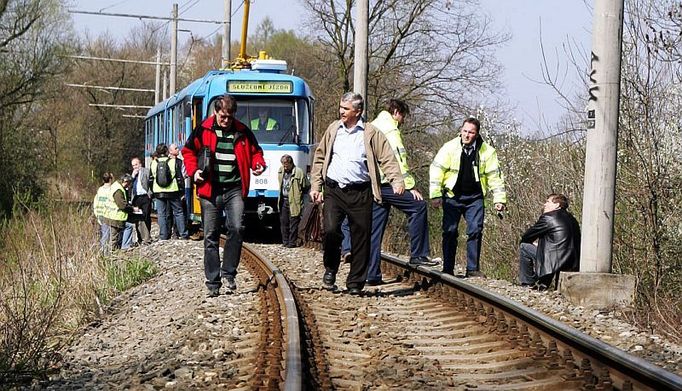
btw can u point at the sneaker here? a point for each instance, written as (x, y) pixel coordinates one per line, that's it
(230, 283)
(346, 258)
(215, 292)
(474, 273)
(422, 261)
(328, 280)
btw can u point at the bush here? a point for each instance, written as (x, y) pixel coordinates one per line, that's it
(48, 252)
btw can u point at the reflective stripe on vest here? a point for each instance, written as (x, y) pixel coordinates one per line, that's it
(270, 125)
(389, 127)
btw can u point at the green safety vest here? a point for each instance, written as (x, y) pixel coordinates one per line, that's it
(111, 210)
(389, 127)
(270, 125)
(99, 204)
(445, 168)
(173, 187)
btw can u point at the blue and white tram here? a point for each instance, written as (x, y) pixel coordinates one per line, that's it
(265, 88)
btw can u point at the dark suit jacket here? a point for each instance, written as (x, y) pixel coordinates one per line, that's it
(143, 177)
(558, 235)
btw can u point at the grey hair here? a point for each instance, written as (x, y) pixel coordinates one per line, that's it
(355, 99)
(286, 158)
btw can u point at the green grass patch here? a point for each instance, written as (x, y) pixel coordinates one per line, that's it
(124, 274)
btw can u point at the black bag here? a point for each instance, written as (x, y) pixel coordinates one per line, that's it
(163, 175)
(204, 159)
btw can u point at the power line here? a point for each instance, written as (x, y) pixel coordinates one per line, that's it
(118, 60)
(120, 106)
(109, 88)
(145, 17)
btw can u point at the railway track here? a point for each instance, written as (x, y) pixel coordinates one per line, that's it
(426, 330)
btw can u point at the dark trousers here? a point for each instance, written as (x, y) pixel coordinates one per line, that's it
(355, 202)
(417, 227)
(144, 225)
(528, 264)
(231, 202)
(471, 207)
(288, 224)
(527, 260)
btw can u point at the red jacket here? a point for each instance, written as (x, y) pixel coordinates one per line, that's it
(246, 149)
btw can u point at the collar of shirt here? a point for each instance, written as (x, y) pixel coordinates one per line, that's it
(360, 125)
(469, 148)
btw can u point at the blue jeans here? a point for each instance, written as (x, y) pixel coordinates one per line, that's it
(164, 207)
(104, 231)
(345, 243)
(127, 240)
(417, 227)
(231, 202)
(527, 261)
(453, 209)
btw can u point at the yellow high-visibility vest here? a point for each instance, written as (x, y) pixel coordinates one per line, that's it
(111, 211)
(445, 169)
(389, 127)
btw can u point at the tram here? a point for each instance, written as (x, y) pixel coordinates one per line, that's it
(278, 107)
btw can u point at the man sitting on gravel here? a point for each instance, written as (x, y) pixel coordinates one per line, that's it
(551, 245)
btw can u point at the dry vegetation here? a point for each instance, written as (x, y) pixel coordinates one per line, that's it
(53, 279)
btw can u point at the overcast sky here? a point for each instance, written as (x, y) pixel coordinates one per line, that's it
(556, 22)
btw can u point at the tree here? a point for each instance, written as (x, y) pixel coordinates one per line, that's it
(33, 41)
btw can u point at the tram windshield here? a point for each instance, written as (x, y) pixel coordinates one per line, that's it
(276, 120)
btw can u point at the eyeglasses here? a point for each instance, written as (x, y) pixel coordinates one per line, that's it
(222, 115)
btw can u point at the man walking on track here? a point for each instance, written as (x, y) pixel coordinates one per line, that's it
(463, 172)
(220, 155)
(347, 163)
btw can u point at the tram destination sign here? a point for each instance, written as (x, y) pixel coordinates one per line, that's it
(262, 87)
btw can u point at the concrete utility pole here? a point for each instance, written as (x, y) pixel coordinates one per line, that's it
(227, 34)
(174, 49)
(602, 137)
(157, 86)
(595, 286)
(361, 51)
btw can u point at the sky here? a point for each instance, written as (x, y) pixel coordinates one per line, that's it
(554, 22)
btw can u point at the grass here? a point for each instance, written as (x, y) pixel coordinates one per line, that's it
(53, 279)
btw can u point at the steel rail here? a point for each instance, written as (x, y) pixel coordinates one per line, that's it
(293, 359)
(629, 366)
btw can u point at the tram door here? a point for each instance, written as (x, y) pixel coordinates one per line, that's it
(196, 120)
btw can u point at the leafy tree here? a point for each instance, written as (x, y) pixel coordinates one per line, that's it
(32, 44)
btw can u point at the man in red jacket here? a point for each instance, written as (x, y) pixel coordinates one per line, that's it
(220, 155)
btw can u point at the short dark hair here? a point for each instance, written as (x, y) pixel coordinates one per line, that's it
(225, 102)
(107, 177)
(474, 121)
(399, 105)
(560, 199)
(161, 150)
(126, 178)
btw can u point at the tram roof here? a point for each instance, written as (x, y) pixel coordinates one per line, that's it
(216, 83)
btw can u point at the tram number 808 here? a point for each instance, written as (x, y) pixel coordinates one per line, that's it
(261, 181)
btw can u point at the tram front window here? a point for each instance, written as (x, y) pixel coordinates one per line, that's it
(276, 121)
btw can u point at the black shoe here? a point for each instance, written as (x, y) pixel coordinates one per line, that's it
(215, 292)
(354, 291)
(474, 273)
(230, 283)
(422, 261)
(375, 282)
(328, 280)
(346, 258)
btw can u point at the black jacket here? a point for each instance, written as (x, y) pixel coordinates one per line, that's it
(558, 235)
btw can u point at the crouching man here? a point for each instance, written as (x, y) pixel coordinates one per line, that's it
(551, 245)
